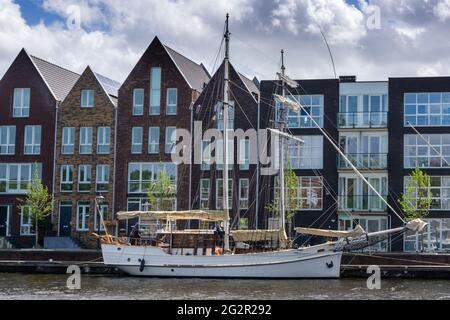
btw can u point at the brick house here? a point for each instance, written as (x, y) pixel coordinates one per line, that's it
(154, 101)
(85, 153)
(30, 92)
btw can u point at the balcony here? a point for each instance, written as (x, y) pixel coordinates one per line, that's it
(364, 161)
(365, 203)
(363, 120)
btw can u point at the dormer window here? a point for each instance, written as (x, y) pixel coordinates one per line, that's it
(21, 103)
(87, 98)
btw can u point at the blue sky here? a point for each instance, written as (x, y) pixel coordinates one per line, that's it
(411, 39)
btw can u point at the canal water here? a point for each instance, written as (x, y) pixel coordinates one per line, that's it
(53, 287)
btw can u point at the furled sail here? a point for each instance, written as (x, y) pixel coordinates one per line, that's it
(258, 235)
(356, 233)
(213, 216)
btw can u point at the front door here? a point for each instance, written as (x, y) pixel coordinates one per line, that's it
(4, 221)
(65, 218)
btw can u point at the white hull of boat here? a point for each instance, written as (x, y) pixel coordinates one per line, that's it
(295, 263)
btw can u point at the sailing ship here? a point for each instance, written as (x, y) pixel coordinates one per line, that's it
(168, 252)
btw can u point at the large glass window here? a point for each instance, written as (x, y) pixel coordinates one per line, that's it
(219, 111)
(439, 190)
(85, 140)
(355, 194)
(102, 178)
(427, 109)
(205, 193)
(136, 137)
(16, 178)
(363, 111)
(153, 140)
(66, 178)
(312, 107)
(7, 140)
(87, 98)
(306, 156)
(155, 92)
(244, 190)
(171, 139)
(21, 103)
(32, 145)
(100, 215)
(435, 238)
(138, 102)
(83, 212)
(27, 227)
(68, 141)
(103, 140)
(244, 155)
(142, 175)
(427, 151)
(172, 101)
(310, 193)
(219, 194)
(84, 178)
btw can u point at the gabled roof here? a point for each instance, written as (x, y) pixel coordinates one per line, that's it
(251, 86)
(111, 86)
(59, 80)
(195, 74)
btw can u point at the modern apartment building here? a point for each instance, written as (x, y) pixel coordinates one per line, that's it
(85, 158)
(30, 92)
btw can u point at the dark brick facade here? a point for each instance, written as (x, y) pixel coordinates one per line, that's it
(23, 74)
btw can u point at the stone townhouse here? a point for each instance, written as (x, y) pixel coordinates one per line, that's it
(154, 101)
(85, 153)
(30, 92)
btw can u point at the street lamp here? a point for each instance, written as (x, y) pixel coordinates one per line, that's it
(98, 201)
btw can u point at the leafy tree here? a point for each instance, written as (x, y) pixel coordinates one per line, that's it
(38, 203)
(417, 200)
(161, 192)
(291, 203)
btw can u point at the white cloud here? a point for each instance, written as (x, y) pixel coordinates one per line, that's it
(115, 33)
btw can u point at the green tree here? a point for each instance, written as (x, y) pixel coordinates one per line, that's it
(161, 193)
(291, 203)
(38, 203)
(417, 200)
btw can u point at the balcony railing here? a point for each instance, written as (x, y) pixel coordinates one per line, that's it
(368, 161)
(362, 203)
(363, 120)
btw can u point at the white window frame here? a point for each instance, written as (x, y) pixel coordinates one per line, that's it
(68, 140)
(306, 156)
(430, 111)
(102, 173)
(153, 143)
(154, 168)
(21, 109)
(103, 140)
(134, 143)
(155, 90)
(87, 98)
(84, 215)
(244, 155)
(104, 208)
(219, 195)
(9, 144)
(171, 109)
(443, 189)
(298, 120)
(231, 115)
(28, 168)
(86, 143)
(427, 152)
(205, 193)
(65, 178)
(87, 170)
(35, 145)
(171, 139)
(26, 227)
(138, 107)
(305, 203)
(244, 201)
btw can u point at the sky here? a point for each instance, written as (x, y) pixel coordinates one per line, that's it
(373, 39)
